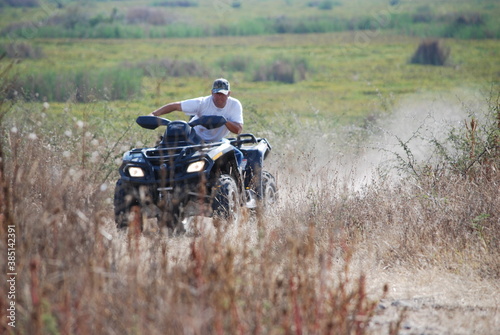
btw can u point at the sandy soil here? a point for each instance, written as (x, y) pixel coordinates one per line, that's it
(433, 302)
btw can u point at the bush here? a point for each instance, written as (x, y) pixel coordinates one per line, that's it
(457, 185)
(21, 50)
(167, 67)
(172, 3)
(469, 19)
(423, 15)
(19, 3)
(238, 63)
(145, 15)
(80, 85)
(282, 70)
(431, 52)
(72, 17)
(324, 4)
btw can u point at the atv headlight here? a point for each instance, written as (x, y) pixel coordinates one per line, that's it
(196, 166)
(135, 172)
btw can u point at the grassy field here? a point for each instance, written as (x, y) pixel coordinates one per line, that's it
(343, 81)
(388, 171)
(140, 19)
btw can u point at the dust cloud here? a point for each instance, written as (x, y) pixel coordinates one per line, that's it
(356, 156)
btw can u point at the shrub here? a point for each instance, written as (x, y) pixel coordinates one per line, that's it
(172, 3)
(21, 50)
(457, 185)
(324, 4)
(469, 19)
(70, 18)
(145, 15)
(423, 14)
(80, 85)
(474, 149)
(20, 3)
(235, 63)
(431, 52)
(282, 70)
(166, 67)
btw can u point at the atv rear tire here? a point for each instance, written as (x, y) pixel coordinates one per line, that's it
(226, 204)
(269, 190)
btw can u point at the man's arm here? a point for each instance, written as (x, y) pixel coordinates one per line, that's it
(168, 108)
(234, 127)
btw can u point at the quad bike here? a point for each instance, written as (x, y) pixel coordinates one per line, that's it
(183, 177)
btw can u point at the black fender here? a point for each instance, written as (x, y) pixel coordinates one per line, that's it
(255, 156)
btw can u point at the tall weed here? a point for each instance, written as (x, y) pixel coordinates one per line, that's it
(88, 278)
(302, 268)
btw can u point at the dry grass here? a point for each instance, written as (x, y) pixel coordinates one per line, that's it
(323, 261)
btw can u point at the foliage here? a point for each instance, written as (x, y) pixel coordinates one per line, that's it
(235, 63)
(474, 149)
(471, 151)
(431, 52)
(174, 3)
(187, 18)
(79, 85)
(282, 70)
(139, 15)
(21, 50)
(19, 3)
(167, 67)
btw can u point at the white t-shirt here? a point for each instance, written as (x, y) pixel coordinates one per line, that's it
(198, 107)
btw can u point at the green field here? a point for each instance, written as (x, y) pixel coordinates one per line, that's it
(347, 75)
(343, 83)
(138, 19)
(341, 75)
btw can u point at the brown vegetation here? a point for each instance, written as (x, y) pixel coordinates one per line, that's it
(307, 267)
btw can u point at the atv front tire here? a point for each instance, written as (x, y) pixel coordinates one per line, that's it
(124, 201)
(226, 204)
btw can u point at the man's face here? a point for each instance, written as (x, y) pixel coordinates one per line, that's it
(220, 99)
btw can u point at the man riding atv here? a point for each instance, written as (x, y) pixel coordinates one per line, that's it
(194, 170)
(219, 103)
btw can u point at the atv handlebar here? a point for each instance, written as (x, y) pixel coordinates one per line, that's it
(151, 122)
(209, 121)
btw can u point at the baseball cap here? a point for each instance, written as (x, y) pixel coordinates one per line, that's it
(221, 85)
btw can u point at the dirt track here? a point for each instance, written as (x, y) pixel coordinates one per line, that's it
(437, 303)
